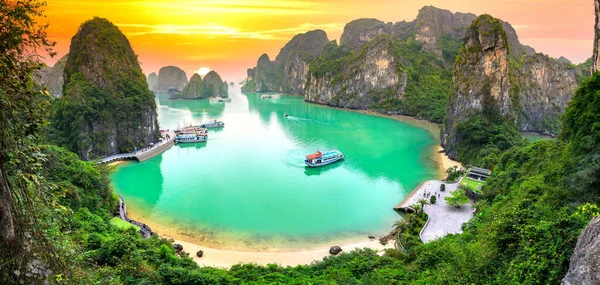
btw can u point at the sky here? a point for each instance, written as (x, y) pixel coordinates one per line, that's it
(228, 36)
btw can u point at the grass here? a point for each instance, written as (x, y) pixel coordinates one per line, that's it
(122, 224)
(473, 184)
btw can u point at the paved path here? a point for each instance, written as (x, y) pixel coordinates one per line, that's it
(443, 219)
(145, 230)
(144, 153)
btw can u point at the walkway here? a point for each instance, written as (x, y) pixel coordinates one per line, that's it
(145, 230)
(443, 219)
(145, 153)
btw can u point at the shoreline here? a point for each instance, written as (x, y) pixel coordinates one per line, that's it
(223, 257)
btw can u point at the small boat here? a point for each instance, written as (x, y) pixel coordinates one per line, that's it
(319, 159)
(285, 115)
(270, 96)
(213, 124)
(191, 137)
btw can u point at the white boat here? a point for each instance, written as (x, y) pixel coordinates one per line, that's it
(213, 124)
(319, 159)
(191, 138)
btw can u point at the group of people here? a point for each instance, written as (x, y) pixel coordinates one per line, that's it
(427, 194)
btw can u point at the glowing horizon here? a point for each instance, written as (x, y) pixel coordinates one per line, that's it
(229, 36)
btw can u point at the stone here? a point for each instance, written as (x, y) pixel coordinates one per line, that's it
(178, 247)
(371, 237)
(335, 250)
(584, 268)
(200, 253)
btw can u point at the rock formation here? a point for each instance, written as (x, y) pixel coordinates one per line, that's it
(198, 88)
(53, 77)
(107, 107)
(193, 90)
(171, 78)
(152, 81)
(531, 90)
(213, 86)
(289, 70)
(407, 68)
(584, 268)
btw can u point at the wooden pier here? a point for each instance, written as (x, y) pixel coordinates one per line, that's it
(144, 154)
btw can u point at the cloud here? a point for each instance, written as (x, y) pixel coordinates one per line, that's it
(213, 30)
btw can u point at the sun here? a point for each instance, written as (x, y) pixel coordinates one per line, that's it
(203, 71)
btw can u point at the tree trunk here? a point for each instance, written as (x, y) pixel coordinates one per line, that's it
(596, 57)
(7, 230)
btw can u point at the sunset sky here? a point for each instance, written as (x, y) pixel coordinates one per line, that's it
(228, 36)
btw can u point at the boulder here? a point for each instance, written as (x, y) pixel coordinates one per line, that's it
(335, 250)
(585, 262)
(200, 253)
(178, 247)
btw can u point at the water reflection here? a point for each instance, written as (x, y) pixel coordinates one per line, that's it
(316, 171)
(314, 127)
(142, 189)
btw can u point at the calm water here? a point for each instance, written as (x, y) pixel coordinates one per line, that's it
(248, 187)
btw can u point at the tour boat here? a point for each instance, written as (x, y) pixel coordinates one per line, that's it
(191, 137)
(319, 159)
(213, 124)
(191, 129)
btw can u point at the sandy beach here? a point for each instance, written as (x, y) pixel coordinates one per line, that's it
(226, 258)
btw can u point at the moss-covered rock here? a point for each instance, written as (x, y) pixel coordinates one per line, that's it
(107, 107)
(213, 86)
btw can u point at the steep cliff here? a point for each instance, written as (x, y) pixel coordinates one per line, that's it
(358, 32)
(483, 95)
(289, 71)
(545, 87)
(107, 107)
(152, 81)
(52, 77)
(171, 78)
(423, 53)
(360, 79)
(584, 268)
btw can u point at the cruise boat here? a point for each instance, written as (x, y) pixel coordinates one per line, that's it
(191, 137)
(191, 129)
(213, 124)
(319, 159)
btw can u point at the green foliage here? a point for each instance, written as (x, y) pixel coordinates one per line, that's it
(433, 199)
(452, 174)
(457, 198)
(443, 187)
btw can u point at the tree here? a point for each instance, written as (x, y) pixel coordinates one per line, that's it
(423, 203)
(432, 200)
(400, 225)
(457, 198)
(443, 187)
(22, 115)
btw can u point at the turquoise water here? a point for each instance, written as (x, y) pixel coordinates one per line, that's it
(248, 187)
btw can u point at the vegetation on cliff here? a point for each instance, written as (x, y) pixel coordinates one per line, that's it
(107, 107)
